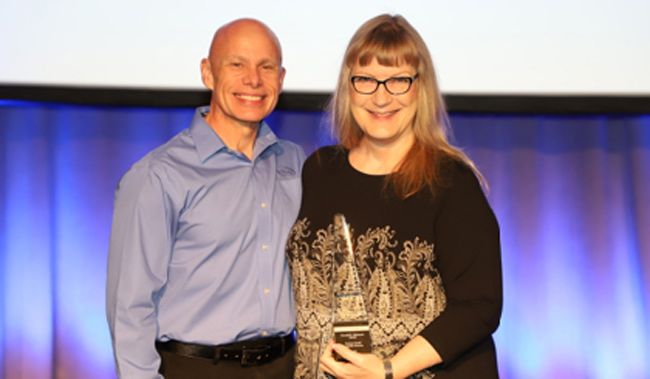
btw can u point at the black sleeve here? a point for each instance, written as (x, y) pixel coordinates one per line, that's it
(468, 258)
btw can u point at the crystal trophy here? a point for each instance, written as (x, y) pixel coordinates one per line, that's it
(351, 327)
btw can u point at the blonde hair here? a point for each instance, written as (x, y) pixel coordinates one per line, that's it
(393, 42)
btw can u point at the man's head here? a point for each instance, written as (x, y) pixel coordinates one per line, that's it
(244, 71)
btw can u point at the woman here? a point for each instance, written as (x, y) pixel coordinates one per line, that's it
(426, 242)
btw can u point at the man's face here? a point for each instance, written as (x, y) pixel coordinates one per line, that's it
(244, 72)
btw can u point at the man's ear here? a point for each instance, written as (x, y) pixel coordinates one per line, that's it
(206, 73)
(283, 71)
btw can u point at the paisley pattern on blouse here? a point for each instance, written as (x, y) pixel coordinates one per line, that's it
(402, 290)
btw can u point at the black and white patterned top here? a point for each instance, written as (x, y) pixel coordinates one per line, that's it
(428, 265)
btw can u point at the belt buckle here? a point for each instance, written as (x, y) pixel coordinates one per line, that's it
(258, 355)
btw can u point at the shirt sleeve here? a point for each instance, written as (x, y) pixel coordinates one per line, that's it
(139, 254)
(468, 259)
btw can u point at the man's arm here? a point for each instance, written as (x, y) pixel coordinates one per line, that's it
(139, 253)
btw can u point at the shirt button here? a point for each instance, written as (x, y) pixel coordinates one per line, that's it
(265, 333)
(266, 290)
(263, 205)
(265, 247)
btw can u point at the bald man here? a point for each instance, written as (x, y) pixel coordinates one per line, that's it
(198, 286)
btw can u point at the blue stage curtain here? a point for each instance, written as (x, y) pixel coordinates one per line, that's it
(572, 194)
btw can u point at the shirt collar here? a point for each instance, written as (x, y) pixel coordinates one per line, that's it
(208, 143)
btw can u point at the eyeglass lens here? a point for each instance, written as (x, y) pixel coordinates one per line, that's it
(395, 86)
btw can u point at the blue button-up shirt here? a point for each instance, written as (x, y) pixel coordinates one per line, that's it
(197, 245)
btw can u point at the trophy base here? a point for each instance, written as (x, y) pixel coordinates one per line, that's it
(353, 334)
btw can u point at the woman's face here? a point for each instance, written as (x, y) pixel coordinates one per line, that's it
(384, 118)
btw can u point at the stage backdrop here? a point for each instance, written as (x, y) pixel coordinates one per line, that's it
(572, 194)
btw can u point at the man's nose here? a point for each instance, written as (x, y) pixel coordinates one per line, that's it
(253, 78)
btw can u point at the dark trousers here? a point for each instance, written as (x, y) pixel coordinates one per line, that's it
(174, 366)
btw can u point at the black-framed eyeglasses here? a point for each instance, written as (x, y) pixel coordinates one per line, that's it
(367, 85)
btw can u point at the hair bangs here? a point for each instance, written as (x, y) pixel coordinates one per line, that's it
(390, 45)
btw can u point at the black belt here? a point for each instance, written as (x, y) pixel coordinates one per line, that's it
(249, 353)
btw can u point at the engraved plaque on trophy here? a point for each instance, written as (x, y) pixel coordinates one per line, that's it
(351, 327)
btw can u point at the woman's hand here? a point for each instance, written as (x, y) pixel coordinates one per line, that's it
(358, 366)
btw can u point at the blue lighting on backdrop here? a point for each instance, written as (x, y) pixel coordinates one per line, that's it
(570, 192)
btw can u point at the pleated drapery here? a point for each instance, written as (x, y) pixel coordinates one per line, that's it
(572, 195)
